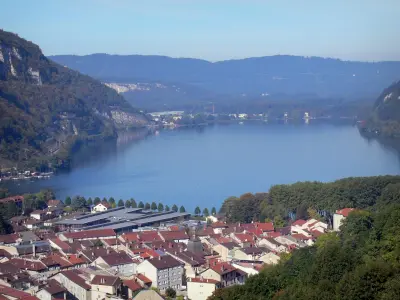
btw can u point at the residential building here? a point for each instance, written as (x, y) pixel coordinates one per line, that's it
(249, 253)
(102, 206)
(224, 249)
(163, 271)
(38, 214)
(75, 284)
(130, 288)
(201, 288)
(118, 263)
(339, 216)
(105, 287)
(224, 273)
(52, 290)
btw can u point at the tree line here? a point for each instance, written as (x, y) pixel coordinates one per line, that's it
(286, 202)
(360, 262)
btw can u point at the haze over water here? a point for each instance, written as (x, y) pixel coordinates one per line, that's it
(193, 167)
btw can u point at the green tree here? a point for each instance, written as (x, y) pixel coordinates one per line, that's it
(113, 205)
(68, 201)
(147, 206)
(141, 205)
(197, 211)
(111, 200)
(89, 201)
(160, 207)
(170, 292)
(279, 222)
(121, 203)
(174, 208)
(96, 201)
(46, 195)
(213, 211)
(167, 208)
(134, 205)
(128, 203)
(205, 212)
(105, 200)
(153, 206)
(182, 209)
(77, 202)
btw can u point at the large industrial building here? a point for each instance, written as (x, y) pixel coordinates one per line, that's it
(121, 219)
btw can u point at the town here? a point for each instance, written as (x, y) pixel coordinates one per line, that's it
(139, 253)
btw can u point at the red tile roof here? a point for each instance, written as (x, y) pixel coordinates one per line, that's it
(75, 260)
(8, 291)
(344, 211)
(132, 285)
(106, 280)
(149, 236)
(61, 244)
(112, 242)
(12, 199)
(131, 237)
(222, 268)
(203, 280)
(9, 238)
(265, 226)
(32, 265)
(143, 278)
(299, 222)
(243, 237)
(173, 235)
(302, 237)
(273, 234)
(218, 225)
(116, 259)
(73, 276)
(86, 234)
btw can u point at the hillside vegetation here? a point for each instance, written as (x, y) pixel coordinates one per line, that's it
(361, 262)
(287, 201)
(46, 108)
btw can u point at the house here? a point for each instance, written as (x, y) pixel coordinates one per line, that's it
(225, 273)
(75, 284)
(33, 267)
(224, 249)
(33, 224)
(38, 214)
(200, 288)
(94, 234)
(243, 239)
(52, 290)
(102, 206)
(105, 287)
(272, 245)
(269, 258)
(14, 294)
(249, 253)
(163, 271)
(10, 239)
(339, 216)
(193, 262)
(174, 236)
(218, 227)
(130, 288)
(116, 263)
(55, 203)
(252, 268)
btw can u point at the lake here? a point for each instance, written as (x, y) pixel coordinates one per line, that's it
(204, 166)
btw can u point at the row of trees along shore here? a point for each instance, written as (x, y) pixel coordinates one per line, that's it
(77, 202)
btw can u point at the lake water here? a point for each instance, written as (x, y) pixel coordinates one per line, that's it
(193, 167)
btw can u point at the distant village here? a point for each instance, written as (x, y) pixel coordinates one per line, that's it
(180, 118)
(137, 253)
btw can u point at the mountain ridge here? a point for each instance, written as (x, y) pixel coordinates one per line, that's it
(325, 77)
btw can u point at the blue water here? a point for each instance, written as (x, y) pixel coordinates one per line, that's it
(203, 167)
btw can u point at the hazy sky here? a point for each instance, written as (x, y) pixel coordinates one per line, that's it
(210, 29)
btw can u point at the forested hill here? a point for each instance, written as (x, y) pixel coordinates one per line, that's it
(45, 107)
(386, 112)
(291, 75)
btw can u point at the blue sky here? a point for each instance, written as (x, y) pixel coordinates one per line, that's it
(210, 29)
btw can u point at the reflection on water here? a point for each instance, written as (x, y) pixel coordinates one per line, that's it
(94, 153)
(203, 166)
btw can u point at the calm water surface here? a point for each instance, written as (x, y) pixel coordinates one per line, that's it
(193, 167)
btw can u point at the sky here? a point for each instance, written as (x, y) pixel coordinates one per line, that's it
(366, 30)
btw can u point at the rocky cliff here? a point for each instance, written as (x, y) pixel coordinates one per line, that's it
(45, 107)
